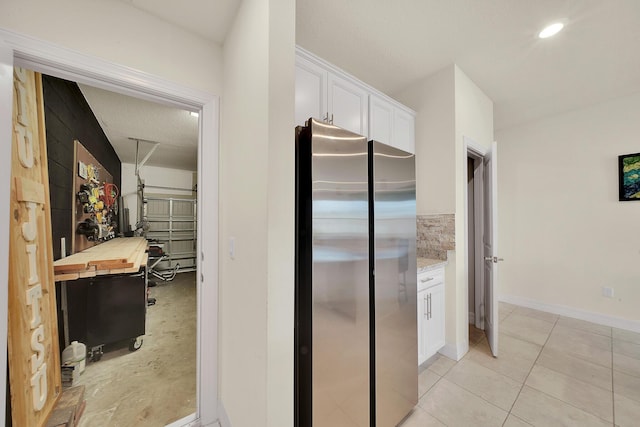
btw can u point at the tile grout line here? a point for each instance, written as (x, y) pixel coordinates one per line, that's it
(568, 403)
(531, 369)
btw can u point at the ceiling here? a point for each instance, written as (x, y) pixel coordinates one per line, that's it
(125, 119)
(391, 45)
(394, 44)
(210, 19)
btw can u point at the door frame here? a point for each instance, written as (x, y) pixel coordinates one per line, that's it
(477, 152)
(48, 58)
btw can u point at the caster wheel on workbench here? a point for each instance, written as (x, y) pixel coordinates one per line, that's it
(135, 344)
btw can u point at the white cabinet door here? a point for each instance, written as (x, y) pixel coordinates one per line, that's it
(422, 320)
(311, 91)
(404, 130)
(348, 105)
(435, 320)
(380, 120)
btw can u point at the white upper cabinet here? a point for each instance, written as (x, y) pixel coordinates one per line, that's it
(348, 105)
(391, 123)
(326, 96)
(326, 93)
(311, 91)
(404, 130)
(380, 119)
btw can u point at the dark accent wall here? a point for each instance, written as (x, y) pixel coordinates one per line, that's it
(67, 118)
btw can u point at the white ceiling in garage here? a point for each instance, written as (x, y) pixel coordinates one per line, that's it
(124, 119)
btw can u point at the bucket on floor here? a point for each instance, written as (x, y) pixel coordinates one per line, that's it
(75, 354)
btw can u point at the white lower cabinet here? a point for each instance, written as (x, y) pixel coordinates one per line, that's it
(430, 313)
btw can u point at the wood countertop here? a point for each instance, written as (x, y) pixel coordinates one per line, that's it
(116, 256)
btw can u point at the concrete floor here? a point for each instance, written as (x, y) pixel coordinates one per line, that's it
(155, 385)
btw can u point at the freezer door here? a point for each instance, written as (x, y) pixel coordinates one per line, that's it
(394, 283)
(332, 299)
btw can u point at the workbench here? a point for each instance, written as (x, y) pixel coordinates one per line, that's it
(104, 294)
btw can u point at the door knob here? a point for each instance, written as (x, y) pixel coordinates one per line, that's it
(495, 259)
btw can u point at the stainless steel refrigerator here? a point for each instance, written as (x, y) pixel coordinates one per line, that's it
(355, 338)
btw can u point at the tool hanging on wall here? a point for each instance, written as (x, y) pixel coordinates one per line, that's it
(100, 201)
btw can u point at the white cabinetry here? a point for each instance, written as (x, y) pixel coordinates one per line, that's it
(404, 130)
(311, 91)
(391, 123)
(326, 96)
(430, 313)
(347, 105)
(326, 93)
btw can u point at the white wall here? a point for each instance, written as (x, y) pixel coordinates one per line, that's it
(474, 120)
(153, 176)
(563, 232)
(257, 176)
(120, 33)
(449, 106)
(281, 208)
(433, 101)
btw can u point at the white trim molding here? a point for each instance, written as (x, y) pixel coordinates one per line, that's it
(576, 313)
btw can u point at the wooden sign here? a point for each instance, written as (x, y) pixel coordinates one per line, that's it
(34, 355)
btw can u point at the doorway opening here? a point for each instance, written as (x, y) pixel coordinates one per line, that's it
(474, 242)
(481, 239)
(50, 59)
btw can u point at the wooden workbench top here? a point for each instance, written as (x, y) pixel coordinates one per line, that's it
(117, 256)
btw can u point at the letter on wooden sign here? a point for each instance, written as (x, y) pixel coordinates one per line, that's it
(25, 146)
(34, 294)
(37, 337)
(39, 386)
(30, 228)
(32, 251)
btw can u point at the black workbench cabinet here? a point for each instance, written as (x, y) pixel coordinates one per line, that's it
(106, 309)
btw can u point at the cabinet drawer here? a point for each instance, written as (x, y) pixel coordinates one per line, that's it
(430, 278)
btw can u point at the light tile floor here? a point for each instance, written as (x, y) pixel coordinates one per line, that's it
(551, 371)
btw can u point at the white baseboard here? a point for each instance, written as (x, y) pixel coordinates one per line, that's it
(223, 418)
(455, 351)
(576, 313)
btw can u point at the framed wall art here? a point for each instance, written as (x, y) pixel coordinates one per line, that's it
(629, 177)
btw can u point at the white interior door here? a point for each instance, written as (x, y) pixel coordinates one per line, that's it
(490, 246)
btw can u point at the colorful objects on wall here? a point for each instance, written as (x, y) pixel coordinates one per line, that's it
(629, 177)
(96, 201)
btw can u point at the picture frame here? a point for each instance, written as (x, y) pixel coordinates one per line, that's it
(629, 177)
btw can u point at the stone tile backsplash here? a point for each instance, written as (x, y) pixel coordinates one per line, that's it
(436, 236)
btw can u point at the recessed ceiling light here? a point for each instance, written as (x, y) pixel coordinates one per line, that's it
(193, 114)
(551, 30)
